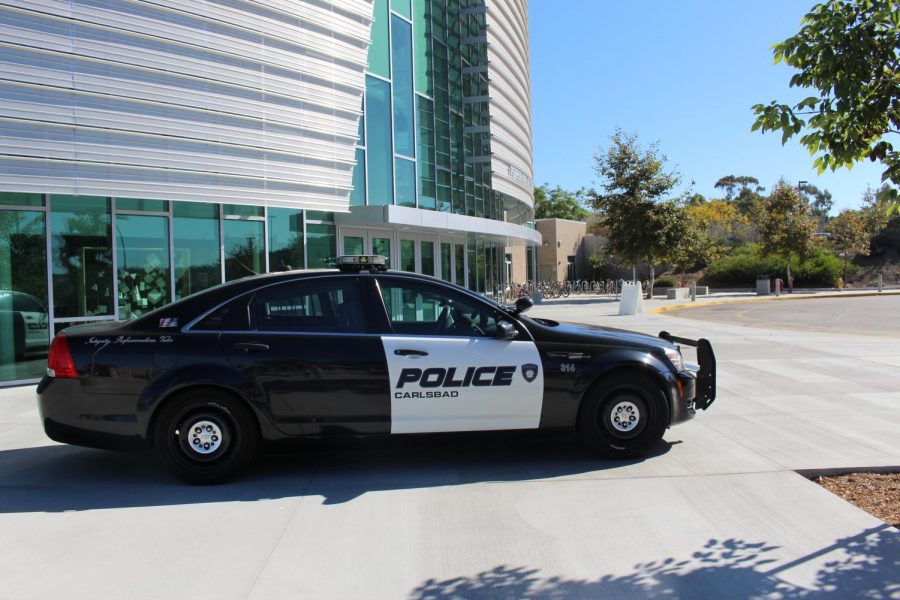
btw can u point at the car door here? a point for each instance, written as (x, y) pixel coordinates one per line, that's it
(310, 357)
(448, 370)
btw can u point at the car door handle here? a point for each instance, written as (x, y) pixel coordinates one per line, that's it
(251, 346)
(410, 352)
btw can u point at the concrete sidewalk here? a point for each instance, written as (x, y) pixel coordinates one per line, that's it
(718, 512)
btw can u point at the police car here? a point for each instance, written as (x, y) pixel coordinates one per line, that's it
(359, 350)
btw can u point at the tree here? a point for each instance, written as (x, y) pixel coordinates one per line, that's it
(849, 235)
(848, 51)
(820, 201)
(693, 246)
(720, 218)
(877, 208)
(743, 191)
(629, 204)
(557, 203)
(786, 227)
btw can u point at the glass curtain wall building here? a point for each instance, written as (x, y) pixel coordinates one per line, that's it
(141, 162)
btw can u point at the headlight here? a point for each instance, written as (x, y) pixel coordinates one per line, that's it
(674, 355)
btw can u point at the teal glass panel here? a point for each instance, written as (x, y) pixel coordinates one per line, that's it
(24, 318)
(406, 182)
(480, 276)
(20, 199)
(358, 194)
(379, 150)
(425, 142)
(402, 82)
(380, 48)
(318, 215)
(382, 247)
(244, 248)
(285, 239)
(241, 210)
(195, 233)
(81, 256)
(472, 279)
(446, 264)
(422, 46)
(320, 245)
(401, 7)
(142, 253)
(361, 132)
(460, 252)
(427, 249)
(353, 245)
(138, 204)
(408, 255)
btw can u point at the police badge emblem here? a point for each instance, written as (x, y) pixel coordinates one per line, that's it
(529, 372)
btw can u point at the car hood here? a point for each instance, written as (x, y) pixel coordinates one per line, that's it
(546, 330)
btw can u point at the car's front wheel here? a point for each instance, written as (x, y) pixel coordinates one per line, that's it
(623, 416)
(205, 438)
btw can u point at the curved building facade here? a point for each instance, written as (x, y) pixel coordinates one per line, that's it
(152, 149)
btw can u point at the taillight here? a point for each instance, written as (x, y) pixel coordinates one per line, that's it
(59, 362)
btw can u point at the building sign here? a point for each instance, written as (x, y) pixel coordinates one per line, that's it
(519, 176)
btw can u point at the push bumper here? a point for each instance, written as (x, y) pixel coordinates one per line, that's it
(705, 393)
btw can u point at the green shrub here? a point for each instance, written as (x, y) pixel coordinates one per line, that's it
(664, 282)
(745, 263)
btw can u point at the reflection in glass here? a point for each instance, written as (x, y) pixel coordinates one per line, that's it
(408, 255)
(379, 151)
(142, 205)
(358, 194)
(406, 182)
(244, 248)
(21, 199)
(353, 245)
(24, 331)
(142, 251)
(320, 244)
(196, 238)
(460, 251)
(382, 247)
(379, 51)
(428, 258)
(401, 72)
(82, 256)
(446, 275)
(285, 239)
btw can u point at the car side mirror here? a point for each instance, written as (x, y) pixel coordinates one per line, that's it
(506, 330)
(523, 304)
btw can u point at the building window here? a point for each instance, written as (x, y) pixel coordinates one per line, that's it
(402, 82)
(285, 239)
(408, 255)
(320, 245)
(196, 238)
(142, 253)
(24, 318)
(379, 50)
(358, 194)
(244, 248)
(382, 247)
(379, 149)
(406, 182)
(427, 258)
(141, 205)
(82, 256)
(446, 264)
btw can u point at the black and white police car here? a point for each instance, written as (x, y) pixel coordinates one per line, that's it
(359, 350)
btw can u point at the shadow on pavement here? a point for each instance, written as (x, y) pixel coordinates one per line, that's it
(866, 565)
(68, 478)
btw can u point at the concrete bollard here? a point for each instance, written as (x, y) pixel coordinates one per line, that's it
(693, 291)
(880, 283)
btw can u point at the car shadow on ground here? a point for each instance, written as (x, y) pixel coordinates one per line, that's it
(865, 565)
(66, 478)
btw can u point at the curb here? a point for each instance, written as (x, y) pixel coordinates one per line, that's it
(664, 309)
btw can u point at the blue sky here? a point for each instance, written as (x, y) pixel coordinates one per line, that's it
(684, 74)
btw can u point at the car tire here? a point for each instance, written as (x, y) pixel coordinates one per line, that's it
(623, 416)
(205, 438)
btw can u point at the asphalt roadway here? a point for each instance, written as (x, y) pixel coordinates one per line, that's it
(719, 511)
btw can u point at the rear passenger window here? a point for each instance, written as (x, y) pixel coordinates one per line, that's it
(328, 305)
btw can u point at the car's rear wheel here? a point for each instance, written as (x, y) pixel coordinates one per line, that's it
(205, 438)
(623, 416)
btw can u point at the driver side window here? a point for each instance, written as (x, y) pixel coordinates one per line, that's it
(416, 308)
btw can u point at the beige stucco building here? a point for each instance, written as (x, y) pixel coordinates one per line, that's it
(559, 257)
